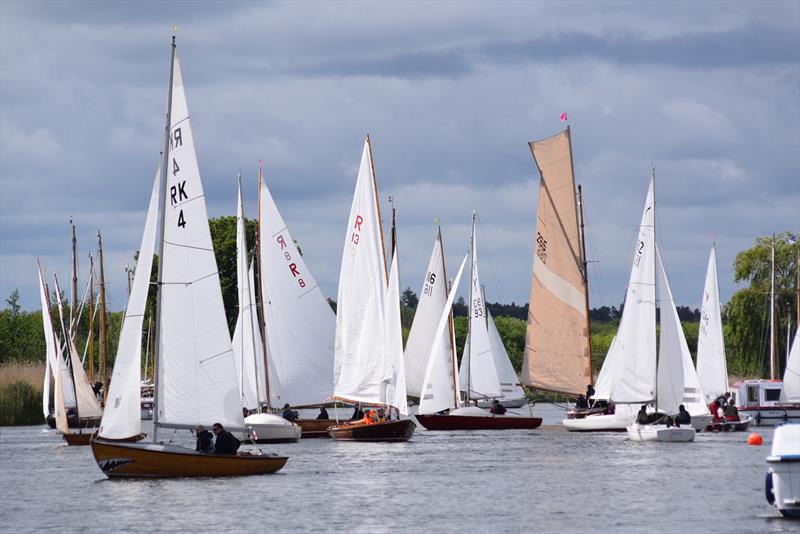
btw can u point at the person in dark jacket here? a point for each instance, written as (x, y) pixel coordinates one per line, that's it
(226, 443)
(641, 417)
(323, 413)
(289, 414)
(497, 408)
(683, 417)
(358, 413)
(589, 395)
(204, 439)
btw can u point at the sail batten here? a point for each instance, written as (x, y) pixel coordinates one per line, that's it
(557, 353)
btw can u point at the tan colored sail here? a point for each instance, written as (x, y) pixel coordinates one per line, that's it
(557, 340)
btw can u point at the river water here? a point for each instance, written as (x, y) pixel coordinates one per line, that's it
(546, 480)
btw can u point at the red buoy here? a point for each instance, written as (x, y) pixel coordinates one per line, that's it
(755, 439)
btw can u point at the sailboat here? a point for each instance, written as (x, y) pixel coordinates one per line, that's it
(478, 376)
(712, 367)
(248, 349)
(368, 363)
(195, 380)
(299, 326)
(764, 400)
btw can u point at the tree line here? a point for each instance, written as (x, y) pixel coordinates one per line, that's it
(745, 316)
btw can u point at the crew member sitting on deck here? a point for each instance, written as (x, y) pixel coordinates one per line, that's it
(589, 395)
(381, 416)
(226, 443)
(581, 403)
(288, 413)
(641, 417)
(204, 439)
(357, 413)
(323, 413)
(497, 408)
(683, 417)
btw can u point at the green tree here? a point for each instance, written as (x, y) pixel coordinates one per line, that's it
(223, 237)
(746, 315)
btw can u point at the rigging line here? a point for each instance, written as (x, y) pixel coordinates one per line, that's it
(192, 282)
(188, 246)
(491, 265)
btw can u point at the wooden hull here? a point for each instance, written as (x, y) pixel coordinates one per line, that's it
(400, 430)
(730, 426)
(316, 428)
(86, 438)
(468, 422)
(151, 460)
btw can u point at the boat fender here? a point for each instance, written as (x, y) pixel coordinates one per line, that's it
(769, 492)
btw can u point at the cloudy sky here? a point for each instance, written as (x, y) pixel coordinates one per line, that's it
(451, 92)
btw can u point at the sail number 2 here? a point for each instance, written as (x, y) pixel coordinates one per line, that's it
(177, 193)
(292, 265)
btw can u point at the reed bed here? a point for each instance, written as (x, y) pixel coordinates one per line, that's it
(21, 394)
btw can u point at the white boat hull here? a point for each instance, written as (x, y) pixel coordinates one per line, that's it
(270, 428)
(700, 422)
(597, 423)
(783, 477)
(637, 432)
(771, 416)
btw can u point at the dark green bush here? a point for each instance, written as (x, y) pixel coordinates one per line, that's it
(20, 404)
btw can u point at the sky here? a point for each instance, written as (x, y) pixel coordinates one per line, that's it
(450, 93)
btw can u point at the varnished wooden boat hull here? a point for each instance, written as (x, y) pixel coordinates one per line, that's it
(86, 437)
(400, 430)
(150, 460)
(730, 426)
(467, 422)
(316, 428)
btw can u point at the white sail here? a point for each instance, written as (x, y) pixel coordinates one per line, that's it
(791, 375)
(628, 374)
(432, 299)
(437, 392)
(122, 412)
(394, 373)
(358, 363)
(58, 397)
(672, 344)
(46, 389)
(248, 348)
(197, 378)
(477, 373)
(300, 324)
(51, 355)
(85, 400)
(68, 387)
(509, 381)
(712, 368)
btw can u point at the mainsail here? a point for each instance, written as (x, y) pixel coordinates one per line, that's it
(628, 374)
(791, 375)
(432, 300)
(478, 375)
(712, 368)
(509, 382)
(300, 324)
(437, 392)
(557, 356)
(670, 347)
(121, 414)
(247, 346)
(359, 360)
(196, 374)
(52, 353)
(394, 373)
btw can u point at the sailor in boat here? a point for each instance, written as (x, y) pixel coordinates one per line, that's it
(323, 413)
(642, 417)
(204, 439)
(288, 413)
(497, 408)
(582, 402)
(381, 418)
(683, 417)
(589, 395)
(357, 413)
(731, 412)
(226, 443)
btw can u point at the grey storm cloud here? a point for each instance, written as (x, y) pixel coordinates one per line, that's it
(451, 94)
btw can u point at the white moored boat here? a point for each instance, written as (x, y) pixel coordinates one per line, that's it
(271, 428)
(783, 476)
(639, 432)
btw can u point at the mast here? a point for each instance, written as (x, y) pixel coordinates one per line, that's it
(773, 353)
(585, 280)
(249, 291)
(655, 268)
(73, 314)
(91, 318)
(469, 308)
(103, 371)
(378, 206)
(147, 345)
(450, 325)
(162, 206)
(68, 343)
(260, 310)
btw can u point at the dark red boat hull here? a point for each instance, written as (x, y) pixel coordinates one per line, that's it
(468, 422)
(400, 430)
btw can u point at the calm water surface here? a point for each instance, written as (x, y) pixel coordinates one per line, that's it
(546, 480)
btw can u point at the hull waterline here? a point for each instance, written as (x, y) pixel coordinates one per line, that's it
(468, 422)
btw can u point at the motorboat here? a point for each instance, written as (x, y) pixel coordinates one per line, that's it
(783, 476)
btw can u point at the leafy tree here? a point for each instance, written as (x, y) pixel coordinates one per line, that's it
(409, 298)
(223, 237)
(746, 315)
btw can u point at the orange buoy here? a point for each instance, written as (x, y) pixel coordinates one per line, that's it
(755, 439)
